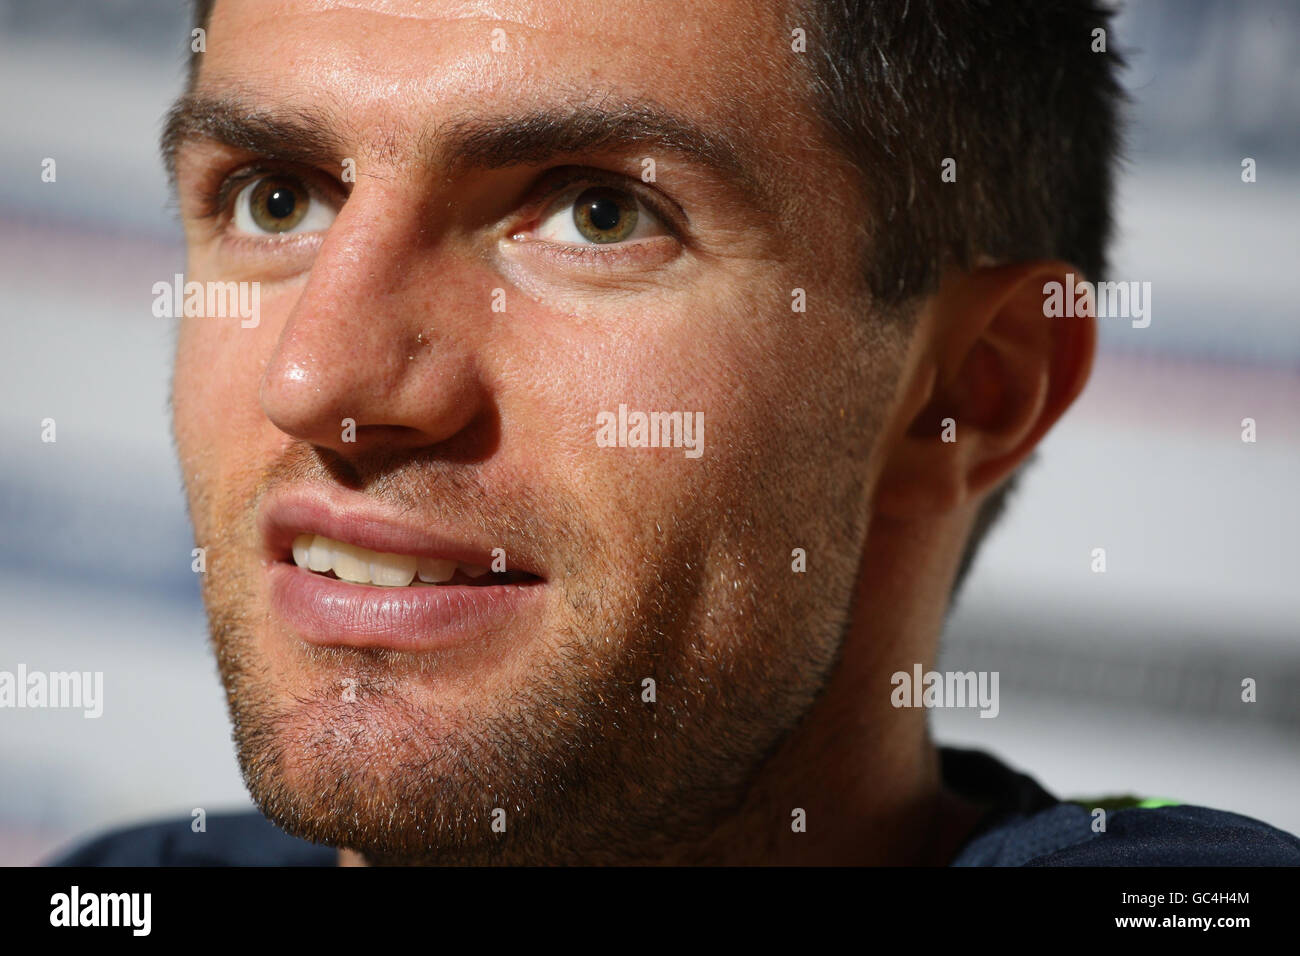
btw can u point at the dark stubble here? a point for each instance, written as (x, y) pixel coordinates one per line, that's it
(585, 769)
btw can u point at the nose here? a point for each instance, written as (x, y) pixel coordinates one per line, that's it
(372, 352)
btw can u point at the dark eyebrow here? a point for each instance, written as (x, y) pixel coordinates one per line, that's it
(316, 137)
(301, 136)
(496, 142)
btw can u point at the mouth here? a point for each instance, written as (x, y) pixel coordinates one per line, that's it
(342, 572)
(357, 565)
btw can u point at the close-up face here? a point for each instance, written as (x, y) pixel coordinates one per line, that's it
(668, 433)
(486, 236)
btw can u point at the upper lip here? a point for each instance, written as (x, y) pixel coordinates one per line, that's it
(366, 523)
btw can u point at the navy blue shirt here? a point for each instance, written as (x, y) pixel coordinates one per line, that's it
(1023, 825)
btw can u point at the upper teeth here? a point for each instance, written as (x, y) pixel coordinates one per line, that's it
(363, 566)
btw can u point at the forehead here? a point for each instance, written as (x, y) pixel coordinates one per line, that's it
(420, 58)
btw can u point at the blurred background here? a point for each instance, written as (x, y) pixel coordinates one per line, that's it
(1127, 681)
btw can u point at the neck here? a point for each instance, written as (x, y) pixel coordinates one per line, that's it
(865, 773)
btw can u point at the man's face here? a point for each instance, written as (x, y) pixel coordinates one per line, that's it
(472, 302)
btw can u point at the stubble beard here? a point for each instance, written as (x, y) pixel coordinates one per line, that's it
(585, 769)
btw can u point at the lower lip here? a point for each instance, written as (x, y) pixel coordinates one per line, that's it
(333, 613)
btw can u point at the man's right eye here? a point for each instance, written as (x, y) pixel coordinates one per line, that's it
(279, 205)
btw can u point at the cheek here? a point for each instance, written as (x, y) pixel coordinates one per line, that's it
(220, 429)
(717, 364)
(192, 391)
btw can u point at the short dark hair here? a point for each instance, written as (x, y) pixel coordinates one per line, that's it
(1022, 94)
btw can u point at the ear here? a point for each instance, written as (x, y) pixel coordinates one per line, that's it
(995, 374)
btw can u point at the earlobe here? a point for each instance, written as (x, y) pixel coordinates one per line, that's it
(996, 376)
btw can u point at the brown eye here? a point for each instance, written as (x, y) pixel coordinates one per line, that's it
(274, 205)
(598, 215)
(605, 215)
(278, 204)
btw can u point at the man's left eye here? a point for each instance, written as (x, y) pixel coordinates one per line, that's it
(598, 215)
